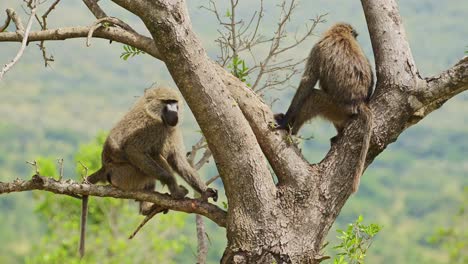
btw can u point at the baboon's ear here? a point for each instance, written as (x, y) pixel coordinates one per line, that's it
(153, 109)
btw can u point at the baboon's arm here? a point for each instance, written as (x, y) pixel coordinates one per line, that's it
(147, 164)
(308, 81)
(179, 163)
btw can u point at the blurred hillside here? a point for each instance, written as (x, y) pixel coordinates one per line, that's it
(411, 189)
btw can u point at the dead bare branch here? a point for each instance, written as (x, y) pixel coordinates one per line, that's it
(117, 34)
(212, 179)
(24, 41)
(60, 162)
(237, 38)
(43, 24)
(34, 164)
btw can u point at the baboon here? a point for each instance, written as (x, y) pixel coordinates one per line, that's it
(346, 81)
(146, 145)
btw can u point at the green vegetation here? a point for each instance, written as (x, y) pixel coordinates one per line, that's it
(239, 69)
(415, 186)
(454, 239)
(354, 242)
(130, 52)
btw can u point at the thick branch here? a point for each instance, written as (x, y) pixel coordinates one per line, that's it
(447, 84)
(186, 205)
(436, 90)
(95, 8)
(394, 61)
(111, 33)
(286, 161)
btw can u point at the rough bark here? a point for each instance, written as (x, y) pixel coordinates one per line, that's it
(286, 222)
(75, 189)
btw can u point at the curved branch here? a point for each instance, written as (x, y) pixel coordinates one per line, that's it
(7, 22)
(115, 21)
(136, 40)
(68, 187)
(24, 41)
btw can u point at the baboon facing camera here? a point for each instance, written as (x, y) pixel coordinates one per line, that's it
(144, 146)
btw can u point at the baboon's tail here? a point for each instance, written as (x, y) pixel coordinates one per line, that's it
(84, 216)
(366, 113)
(98, 176)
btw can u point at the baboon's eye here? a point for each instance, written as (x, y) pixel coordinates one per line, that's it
(169, 101)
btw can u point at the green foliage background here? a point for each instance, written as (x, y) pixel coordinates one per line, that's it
(412, 189)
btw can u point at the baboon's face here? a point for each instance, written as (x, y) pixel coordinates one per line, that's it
(170, 112)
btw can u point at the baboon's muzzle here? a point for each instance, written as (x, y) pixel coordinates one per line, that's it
(171, 114)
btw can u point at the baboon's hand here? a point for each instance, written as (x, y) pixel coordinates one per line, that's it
(154, 208)
(210, 192)
(281, 122)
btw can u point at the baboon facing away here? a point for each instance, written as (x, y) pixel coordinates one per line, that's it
(345, 77)
(146, 145)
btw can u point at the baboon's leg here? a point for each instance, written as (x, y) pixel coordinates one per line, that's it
(317, 104)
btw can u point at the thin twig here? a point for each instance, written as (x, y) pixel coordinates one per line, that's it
(212, 179)
(35, 165)
(204, 159)
(195, 148)
(23, 43)
(85, 175)
(44, 16)
(60, 162)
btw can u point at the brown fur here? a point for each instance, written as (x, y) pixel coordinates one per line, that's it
(143, 148)
(345, 77)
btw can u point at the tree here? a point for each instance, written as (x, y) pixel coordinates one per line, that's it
(288, 219)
